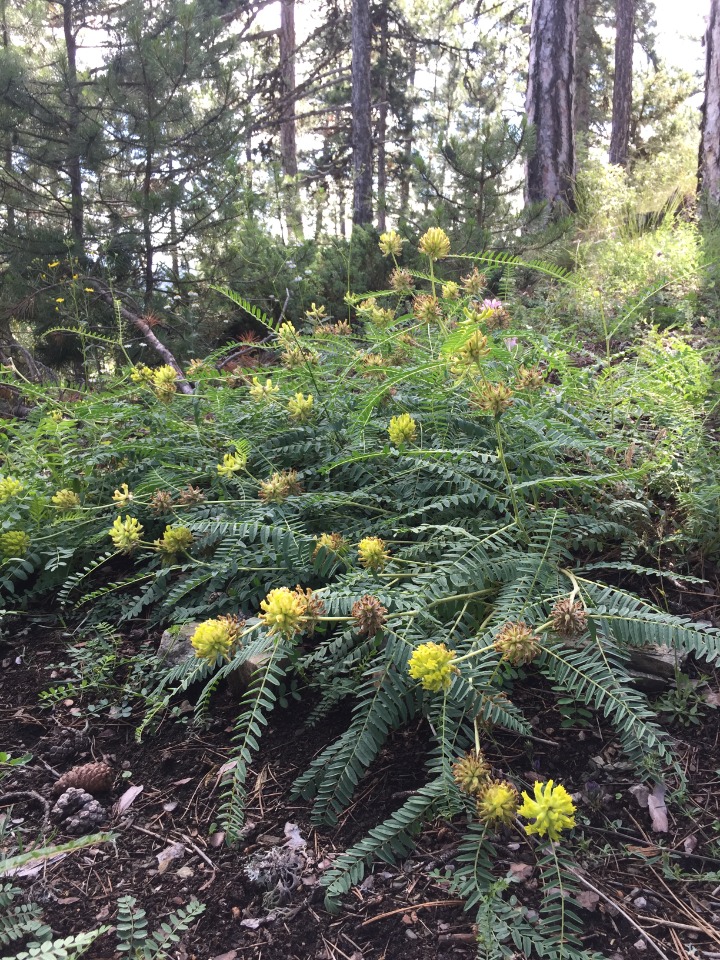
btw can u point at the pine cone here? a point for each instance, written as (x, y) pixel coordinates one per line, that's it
(69, 744)
(93, 777)
(77, 812)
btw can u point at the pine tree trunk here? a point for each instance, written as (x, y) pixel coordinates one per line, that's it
(382, 123)
(550, 103)
(9, 208)
(408, 139)
(361, 113)
(622, 86)
(709, 173)
(288, 146)
(73, 159)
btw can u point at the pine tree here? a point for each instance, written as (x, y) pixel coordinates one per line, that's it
(709, 173)
(550, 170)
(622, 87)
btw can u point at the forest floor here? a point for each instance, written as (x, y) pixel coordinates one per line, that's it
(649, 889)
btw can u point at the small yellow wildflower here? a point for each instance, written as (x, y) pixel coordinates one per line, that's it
(471, 773)
(165, 382)
(57, 416)
(287, 333)
(123, 497)
(427, 308)
(10, 487)
(333, 543)
(55, 263)
(435, 243)
(142, 373)
(315, 313)
(65, 500)
(475, 348)
(450, 290)
(495, 398)
(402, 429)
(59, 299)
(372, 553)
(300, 408)
(266, 391)
(280, 486)
(125, 534)
(552, 809)
(401, 281)
(517, 644)
(89, 289)
(174, 540)
(391, 243)
(283, 611)
(214, 638)
(431, 664)
(498, 802)
(14, 543)
(232, 463)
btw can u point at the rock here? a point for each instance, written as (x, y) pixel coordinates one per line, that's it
(175, 644)
(657, 661)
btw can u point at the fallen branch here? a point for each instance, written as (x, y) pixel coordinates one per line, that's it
(106, 294)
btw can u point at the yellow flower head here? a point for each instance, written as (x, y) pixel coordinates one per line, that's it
(402, 429)
(426, 308)
(164, 381)
(214, 638)
(517, 644)
(57, 416)
(495, 398)
(14, 543)
(529, 378)
(174, 540)
(475, 348)
(287, 334)
(125, 534)
(435, 243)
(391, 243)
(552, 809)
(300, 408)
(66, 500)
(401, 281)
(10, 487)
(232, 463)
(260, 392)
(55, 263)
(474, 283)
(59, 299)
(333, 543)
(280, 486)
(315, 313)
(372, 553)
(471, 773)
(283, 611)
(450, 290)
(498, 802)
(123, 497)
(431, 664)
(89, 289)
(142, 373)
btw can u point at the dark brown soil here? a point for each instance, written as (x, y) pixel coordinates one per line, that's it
(647, 893)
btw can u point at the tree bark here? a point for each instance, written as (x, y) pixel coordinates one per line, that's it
(550, 102)
(383, 67)
(404, 203)
(709, 172)
(288, 145)
(361, 113)
(622, 85)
